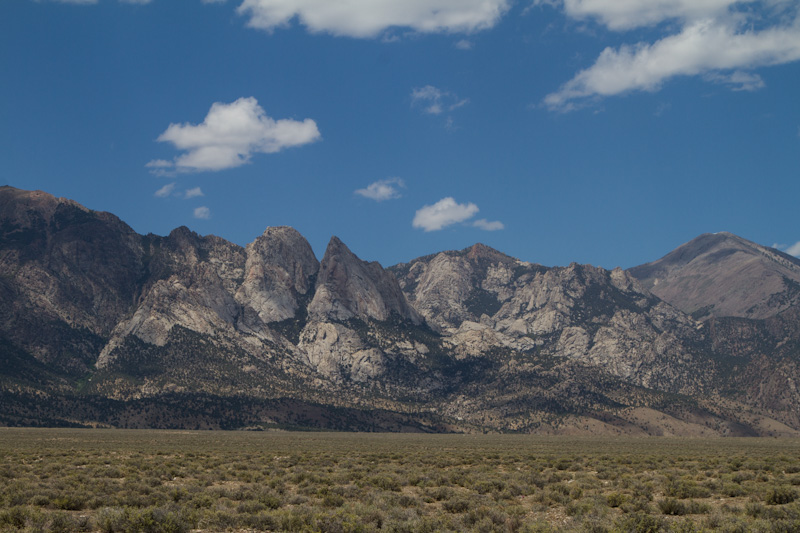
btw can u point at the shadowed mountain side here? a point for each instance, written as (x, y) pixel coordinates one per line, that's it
(67, 276)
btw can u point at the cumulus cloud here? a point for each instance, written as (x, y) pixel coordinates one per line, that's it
(447, 212)
(230, 135)
(370, 18)
(436, 101)
(202, 213)
(488, 226)
(159, 163)
(629, 14)
(721, 40)
(193, 193)
(382, 190)
(794, 249)
(463, 44)
(165, 191)
(443, 213)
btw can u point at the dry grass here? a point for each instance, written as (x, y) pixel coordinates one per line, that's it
(120, 481)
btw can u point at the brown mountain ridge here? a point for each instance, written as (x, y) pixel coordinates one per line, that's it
(102, 326)
(721, 274)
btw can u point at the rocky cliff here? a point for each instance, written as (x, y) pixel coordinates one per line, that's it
(279, 271)
(480, 298)
(348, 287)
(101, 325)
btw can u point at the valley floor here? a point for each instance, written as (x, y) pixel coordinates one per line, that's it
(120, 480)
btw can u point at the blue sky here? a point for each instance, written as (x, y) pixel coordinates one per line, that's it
(597, 131)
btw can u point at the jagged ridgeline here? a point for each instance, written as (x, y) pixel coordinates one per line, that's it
(102, 326)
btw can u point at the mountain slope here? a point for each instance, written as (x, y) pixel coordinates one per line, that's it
(721, 274)
(103, 326)
(67, 276)
(479, 298)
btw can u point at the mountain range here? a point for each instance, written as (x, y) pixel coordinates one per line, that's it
(101, 326)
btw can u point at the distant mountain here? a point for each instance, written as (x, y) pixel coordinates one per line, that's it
(721, 274)
(102, 326)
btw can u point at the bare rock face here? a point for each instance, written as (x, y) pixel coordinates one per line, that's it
(213, 287)
(721, 274)
(441, 289)
(348, 287)
(481, 299)
(194, 285)
(449, 288)
(337, 352)
(472, 339)
(280, 266)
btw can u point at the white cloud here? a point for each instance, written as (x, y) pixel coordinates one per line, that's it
(230, 135)
(794, 249)
(193, 193)
(382, 190)
(739, 81)
(436, 101)
(429, 95)
(369, 18)
(628, 14)
(721, 40)
(165, 191)
(135, 1)
(443, 213)
(159, 163)
(463, 44)
(488, 226)
(202, 213)
(707, 46)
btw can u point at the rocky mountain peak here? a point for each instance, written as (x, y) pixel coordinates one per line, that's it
(721, 274)
(348, 287)
(284, 248)
(15, 204)
(480, 251)
(183, 234)
(31, 200)
(280, 267)
(31, 208)
(184, 242)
